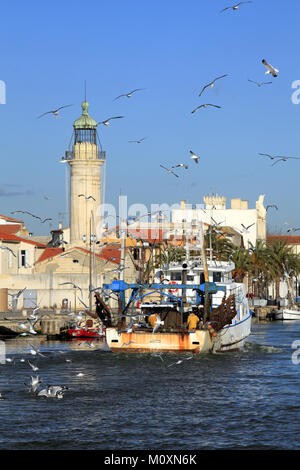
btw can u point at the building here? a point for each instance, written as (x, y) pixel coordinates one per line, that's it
(250, 223)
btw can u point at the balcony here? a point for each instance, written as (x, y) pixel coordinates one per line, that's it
(69, 155)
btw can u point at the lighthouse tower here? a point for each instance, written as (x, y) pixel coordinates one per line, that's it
(85, 162)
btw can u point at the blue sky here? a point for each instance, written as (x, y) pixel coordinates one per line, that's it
(171, 48)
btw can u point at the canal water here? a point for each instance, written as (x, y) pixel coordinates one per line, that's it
(242, 400)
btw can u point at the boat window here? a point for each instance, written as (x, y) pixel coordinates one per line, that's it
(217, 276)
(189, 277)
(176, 276)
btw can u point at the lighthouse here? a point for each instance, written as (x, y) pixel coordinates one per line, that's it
(85, 161)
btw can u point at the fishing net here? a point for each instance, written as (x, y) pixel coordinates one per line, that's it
(224, 313)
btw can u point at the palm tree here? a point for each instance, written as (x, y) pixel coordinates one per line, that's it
(279, 257)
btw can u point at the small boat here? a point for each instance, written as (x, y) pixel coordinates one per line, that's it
(287, 314)
(90, 328)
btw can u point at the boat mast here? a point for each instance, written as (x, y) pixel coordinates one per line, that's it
(205, 270)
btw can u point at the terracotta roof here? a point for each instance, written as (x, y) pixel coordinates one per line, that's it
(289, 239)
(10, 228)
(10, 237)
(49, 253)
(106, 254)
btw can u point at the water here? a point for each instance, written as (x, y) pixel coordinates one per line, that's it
(242, 400)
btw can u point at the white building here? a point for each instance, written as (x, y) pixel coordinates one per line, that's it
(251, 223)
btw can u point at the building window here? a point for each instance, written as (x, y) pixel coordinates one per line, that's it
(23, 258)
(175, 276)
(217, 276)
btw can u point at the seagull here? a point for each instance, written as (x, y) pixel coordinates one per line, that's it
(169, 171)
(180, 361)
(284, 159)
(106, 122)
(246, 229)
(34, 351)
(8, 249)
(260, 84)
(80, 374)
(194, 156)
(127, 344)
(211, 84)
(271, 70)
(137, 141)
(270, 207)
(158, 323)
(204, 106)
(1, 396)
(120, 269)
(35, 382)
(86, 197)
(35, 216)
(33, 367)
(128, 95)
(72, 283)
(55, 111)
(234, 7)
(180, 165)
(292, 229)
(217, 223)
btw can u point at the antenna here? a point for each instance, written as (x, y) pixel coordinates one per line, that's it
(84, 90)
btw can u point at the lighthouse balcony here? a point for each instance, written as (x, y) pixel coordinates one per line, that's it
(70, 155)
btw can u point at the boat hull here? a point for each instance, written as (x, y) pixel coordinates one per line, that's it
(83, 333)
(230, 338)
(287, 314)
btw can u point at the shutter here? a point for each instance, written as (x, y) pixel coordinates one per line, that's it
(19, 258)
(26, 259)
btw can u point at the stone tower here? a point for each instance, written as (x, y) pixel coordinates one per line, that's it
(85, 162)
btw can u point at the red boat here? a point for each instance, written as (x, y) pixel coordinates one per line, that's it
(87, 329)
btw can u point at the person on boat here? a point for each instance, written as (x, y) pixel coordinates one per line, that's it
(152, 319)
(192, 321)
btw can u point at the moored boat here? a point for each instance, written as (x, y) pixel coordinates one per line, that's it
(287, 314)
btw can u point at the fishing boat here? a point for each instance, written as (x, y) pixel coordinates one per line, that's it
(180, 291)
(287, 314)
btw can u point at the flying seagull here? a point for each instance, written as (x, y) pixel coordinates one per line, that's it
(180, 165)
(211, 84)
(169, 171)
(271, 206)
(247, 228)
(234, 7)
(284, 159)
(32, 215)
(106, 122)
(55, 111)
(292, 229)
(271, 70)
(194, 156)
(260, 84)
(128, 95)
(34, 351)
(86, 197)
(204, 106)
(72, 283)
(138, 141)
